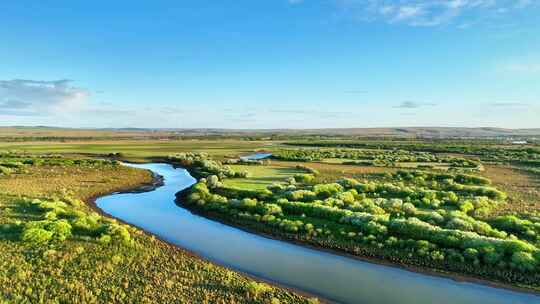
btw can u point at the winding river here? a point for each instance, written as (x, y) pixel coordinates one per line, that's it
(330, 276)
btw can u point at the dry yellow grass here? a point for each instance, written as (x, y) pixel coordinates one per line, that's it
(522, 188)
(82, 182)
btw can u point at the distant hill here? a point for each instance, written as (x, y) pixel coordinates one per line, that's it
(406, 132)
(429, 132)
(397, 132)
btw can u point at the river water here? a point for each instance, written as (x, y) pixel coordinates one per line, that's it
(333, 277)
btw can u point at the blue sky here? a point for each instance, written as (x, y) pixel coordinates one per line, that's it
(270, 63)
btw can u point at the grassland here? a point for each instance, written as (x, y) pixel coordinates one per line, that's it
(344, 133)
(448, 221)
(140, 150)
(109, 263)
(82, 182)
(502, 163)
(523, 189)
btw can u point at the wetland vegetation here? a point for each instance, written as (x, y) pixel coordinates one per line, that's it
(458, 209)
(56, 247)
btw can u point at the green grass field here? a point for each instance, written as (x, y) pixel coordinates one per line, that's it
(261, 176)
(140, 150)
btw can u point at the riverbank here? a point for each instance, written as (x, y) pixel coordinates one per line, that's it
(158, 181)
(266, 232)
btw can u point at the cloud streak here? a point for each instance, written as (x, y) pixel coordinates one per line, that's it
(408, 104)
(508, 104)
(430, 12)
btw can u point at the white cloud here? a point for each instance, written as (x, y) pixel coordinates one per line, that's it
(407, 12)
(36, 97)
(431, 12)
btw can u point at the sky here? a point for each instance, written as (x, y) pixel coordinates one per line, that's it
(270, 63)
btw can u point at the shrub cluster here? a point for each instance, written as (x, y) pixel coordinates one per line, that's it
(439, 216)
(494, 153)
(59, 220)
(389, 158)
(242, 161)
(203, 166)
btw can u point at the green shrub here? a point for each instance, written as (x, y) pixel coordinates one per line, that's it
(304, 178)
(119, 234)
(523, 261)
(302, 195)
(327, 190)
(36, 235)
(255, 289)
(61, 229)
(104, 239)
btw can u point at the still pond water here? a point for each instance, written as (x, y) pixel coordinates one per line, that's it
(330, 276)
(256, 156)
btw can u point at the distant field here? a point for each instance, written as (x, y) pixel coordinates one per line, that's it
(137, 150)
(406, 132)
(47, 132)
